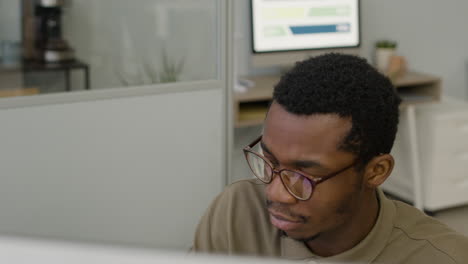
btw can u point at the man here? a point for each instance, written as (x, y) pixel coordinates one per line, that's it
(324, 152)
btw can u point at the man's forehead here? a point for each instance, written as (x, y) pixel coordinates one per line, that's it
(279, 118)
(303, 135)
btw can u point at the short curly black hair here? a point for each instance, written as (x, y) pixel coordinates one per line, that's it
(346, 85)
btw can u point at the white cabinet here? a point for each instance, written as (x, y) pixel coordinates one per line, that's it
(442, 132)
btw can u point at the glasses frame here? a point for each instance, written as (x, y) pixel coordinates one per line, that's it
(314, 181)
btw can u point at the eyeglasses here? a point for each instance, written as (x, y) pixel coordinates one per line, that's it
(298, 184)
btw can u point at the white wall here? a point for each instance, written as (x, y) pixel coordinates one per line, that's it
(138, 170)
(431, 34)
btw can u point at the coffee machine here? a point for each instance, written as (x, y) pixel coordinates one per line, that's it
(42, 32)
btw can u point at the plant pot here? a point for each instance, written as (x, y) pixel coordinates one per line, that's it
(382, 58)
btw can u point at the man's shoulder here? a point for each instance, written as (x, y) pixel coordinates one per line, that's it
(245, 183)
(252, 187)
(426, 236)
(237, 221)
(245, 195)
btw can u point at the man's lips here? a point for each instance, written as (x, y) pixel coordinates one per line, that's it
(284, 223)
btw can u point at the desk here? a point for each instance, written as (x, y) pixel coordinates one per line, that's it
(66, 67)
(414, 88)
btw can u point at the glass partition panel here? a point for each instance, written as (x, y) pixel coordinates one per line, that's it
(113, 44)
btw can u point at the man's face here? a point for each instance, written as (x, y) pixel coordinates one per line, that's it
(310, 144)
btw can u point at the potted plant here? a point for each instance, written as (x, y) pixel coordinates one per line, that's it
(384, 50)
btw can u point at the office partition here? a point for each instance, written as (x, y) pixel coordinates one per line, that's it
(136, 165)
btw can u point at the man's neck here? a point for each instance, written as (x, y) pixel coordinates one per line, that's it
(351, 233)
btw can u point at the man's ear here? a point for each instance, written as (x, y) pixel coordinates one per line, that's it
(378, 169)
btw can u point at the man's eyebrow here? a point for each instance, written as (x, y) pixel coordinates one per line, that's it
(303, 164)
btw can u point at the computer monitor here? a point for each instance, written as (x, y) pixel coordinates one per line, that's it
(27, 251)
(285, 31)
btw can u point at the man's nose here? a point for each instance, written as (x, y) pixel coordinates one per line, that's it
(277, 192)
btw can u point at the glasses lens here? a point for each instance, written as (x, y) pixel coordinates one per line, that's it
(259, 167)
(297, 184)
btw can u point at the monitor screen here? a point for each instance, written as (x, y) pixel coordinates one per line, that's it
(292, 25)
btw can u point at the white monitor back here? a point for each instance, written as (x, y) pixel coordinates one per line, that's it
(24, 251)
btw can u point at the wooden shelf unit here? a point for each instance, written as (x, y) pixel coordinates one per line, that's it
(250, 107)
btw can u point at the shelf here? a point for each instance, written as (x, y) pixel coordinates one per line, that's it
(252, 112)
(415, 78)
(251, 106)
(18, 92)
(262, 89)
(41, 66)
